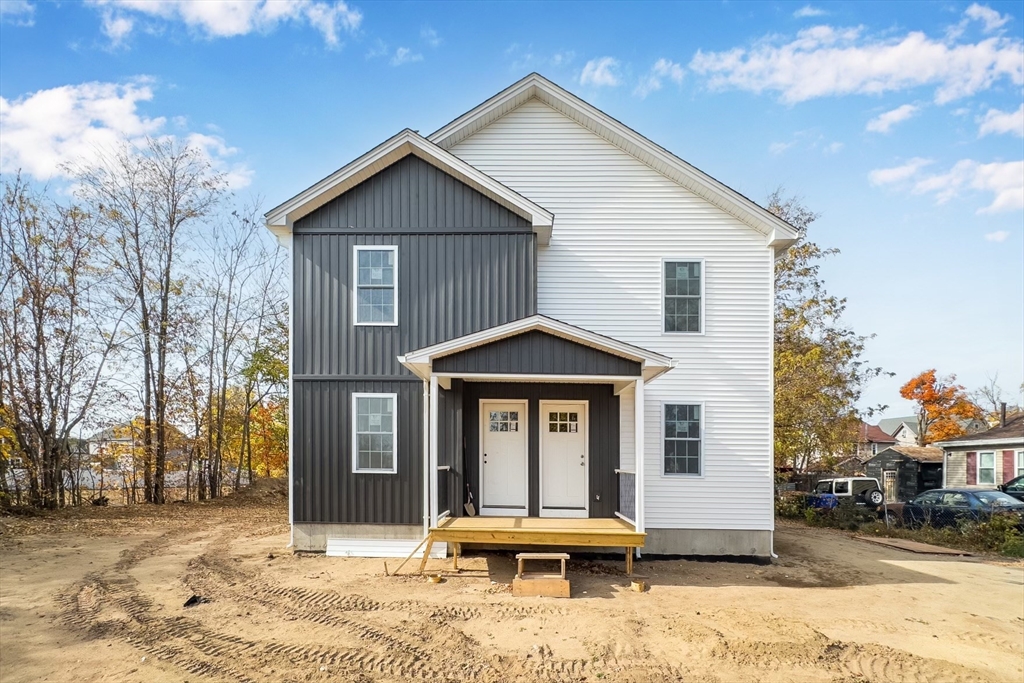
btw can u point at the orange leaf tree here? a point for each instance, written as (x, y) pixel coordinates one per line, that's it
(941, 406)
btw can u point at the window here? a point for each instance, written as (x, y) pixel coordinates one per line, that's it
(563, 422)
(874, 449)
(373, 439)
(504, 421)
(683, 293)
(955, 499)
(987, 468)
(376, 285)
(682, 441)
(1020, 463)
(842, 487)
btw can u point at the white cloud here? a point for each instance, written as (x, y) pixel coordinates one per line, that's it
(662, 69)
(18, 12)
(823, 61)
(896, 174)
(808, 11)
(1000, 122)
(777, 148)
(562, 58)
(430, 37)
(885, 121)
(525, 59)
(226, 18)
(44, 130)
(992, 19)
(601, 72)
(1004, 180)
(116, 28)
(997, 236)
(834, 148)
(404, 55)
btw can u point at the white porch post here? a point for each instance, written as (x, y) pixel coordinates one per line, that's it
(426, 457)
(433, 450)
(638, 446)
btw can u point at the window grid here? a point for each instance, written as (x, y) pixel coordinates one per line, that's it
(504, 421)
(563, 422)
(682, 442)
(375, 285)
(374, 433)
(987, 468)
(683, 296)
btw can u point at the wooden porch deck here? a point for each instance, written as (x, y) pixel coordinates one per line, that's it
(537, 531)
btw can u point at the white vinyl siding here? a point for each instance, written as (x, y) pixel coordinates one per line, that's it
(374, 441)
(616, 219)
(375, 285)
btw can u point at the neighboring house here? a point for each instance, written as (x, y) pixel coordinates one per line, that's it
(539, 307)
(904, 429)
(905, 471)
(906, 434)
(985, 459)
(871, 440)
(889, 425)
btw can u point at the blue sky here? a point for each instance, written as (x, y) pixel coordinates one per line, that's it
(901, 123)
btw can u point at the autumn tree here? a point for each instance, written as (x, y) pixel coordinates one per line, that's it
(819, 367)
(942, 405)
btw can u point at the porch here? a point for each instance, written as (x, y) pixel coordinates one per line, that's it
(537, 531)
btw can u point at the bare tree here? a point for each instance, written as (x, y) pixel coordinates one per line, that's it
(147, 199)
(56, 334)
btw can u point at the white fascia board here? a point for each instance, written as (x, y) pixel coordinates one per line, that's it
(980, 443)
(626, 139)
(651, 361)
(280, 219)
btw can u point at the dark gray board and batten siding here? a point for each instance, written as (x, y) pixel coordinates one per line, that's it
(465, 263)
(537, 353)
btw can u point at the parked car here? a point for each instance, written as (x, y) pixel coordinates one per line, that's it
(828, 493)
(1014, 487)
(948, 507)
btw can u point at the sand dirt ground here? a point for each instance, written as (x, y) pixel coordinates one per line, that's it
(96, 595)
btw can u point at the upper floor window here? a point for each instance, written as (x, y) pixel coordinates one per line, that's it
(684, 290)
(376, 285)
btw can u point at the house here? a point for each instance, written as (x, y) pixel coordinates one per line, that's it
(902, 429)
(871, 440)
(905, 471)
(538, 308)
(985, 459)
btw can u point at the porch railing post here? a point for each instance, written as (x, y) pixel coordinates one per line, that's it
(426, 458)
(638, 447)
(433, 450)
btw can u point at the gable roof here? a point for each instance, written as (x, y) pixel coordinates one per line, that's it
(918, 453)
(890, 424)
(779, 233)
(652, 364)
(281, 218)
(1011, 433)
(871, 433)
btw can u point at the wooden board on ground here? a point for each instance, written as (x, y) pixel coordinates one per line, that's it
(544, 585)
(913, 546)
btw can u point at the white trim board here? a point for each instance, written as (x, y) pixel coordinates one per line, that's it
(779, 234)
(280, 219)
(380, 547)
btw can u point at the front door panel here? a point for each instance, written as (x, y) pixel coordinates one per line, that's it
(563, 459)
(503, 458)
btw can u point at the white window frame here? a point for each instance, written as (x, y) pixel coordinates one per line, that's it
(703, 289)
(1019, 465)
(355, 434)
(355, 284)
(703, 438)
(977, 478)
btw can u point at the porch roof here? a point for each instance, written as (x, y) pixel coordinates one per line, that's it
(651, 364)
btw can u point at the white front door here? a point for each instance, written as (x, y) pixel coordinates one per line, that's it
(503, 458)
(564, 460)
